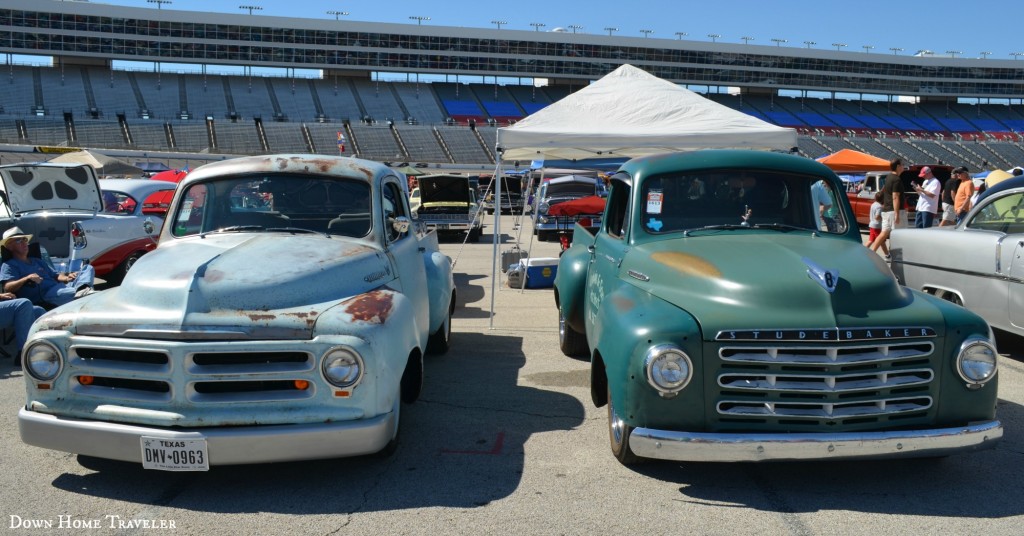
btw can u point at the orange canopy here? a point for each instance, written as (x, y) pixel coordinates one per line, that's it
(848, 160)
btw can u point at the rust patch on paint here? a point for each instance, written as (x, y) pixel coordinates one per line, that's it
(373, 307)
(56, 322)
(257, 317)
(309, 318)
(213, 276)
(623, 305)
(687, 264)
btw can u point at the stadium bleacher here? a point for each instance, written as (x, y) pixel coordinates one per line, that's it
(92, 106)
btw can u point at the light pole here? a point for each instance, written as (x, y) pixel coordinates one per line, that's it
(778, 41)
(953, 53)
(647, 33)
(419, 20)
(1017, 55)
(498, 23)
(337, 14)
(985, 54)
(537, 25)
(714, 37)
(159, 3)
(251, 8)
(681, 35)
(746, 39)
(867, 48)
(810, 43)
(839, 46)
(611, 29)
(895, 50)
(575, 27)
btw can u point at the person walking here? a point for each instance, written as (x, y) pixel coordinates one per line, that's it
(948, 196)
(964, 193)
(927, 198)
(875, 222)
(892, 201)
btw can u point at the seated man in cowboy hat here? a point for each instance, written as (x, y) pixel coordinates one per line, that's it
(31, 277)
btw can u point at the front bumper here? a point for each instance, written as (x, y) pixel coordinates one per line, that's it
(226, 445)
(700, 447)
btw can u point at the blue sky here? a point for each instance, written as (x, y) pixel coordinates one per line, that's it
(967, 27)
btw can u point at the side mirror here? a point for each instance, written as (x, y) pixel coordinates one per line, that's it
(78, 240)
(400, 224)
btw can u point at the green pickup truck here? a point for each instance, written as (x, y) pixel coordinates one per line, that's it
(730, 313)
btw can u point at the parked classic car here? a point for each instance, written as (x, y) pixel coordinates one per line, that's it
(511, 194)
(737, 324)
(978, 264)
(862, 194)
(447, 204)
(127, 227)
(46, 200)
(284, 316)
(560, 190)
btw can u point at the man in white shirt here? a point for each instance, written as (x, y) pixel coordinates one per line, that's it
(928, 198)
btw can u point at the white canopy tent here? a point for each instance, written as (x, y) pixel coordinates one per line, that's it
(629, 113)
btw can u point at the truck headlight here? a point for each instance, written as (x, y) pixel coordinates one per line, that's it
(668, 368)
(43, 361)
(543, 208)
(342, 367)
(976, 362)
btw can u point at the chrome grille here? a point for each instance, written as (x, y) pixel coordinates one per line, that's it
(796, 386)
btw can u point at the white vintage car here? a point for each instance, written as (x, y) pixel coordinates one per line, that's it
(54, 201)
(284, 316)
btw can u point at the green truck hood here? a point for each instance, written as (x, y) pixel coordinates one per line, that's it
(706, 276)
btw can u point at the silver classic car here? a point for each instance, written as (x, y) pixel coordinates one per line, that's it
(283, 316)
(978, 264)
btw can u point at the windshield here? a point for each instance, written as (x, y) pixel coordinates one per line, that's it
(729, 198)
(282, 201)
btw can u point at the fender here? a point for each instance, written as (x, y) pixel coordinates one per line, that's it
(571, 278)
(440, 286)
(628, 323)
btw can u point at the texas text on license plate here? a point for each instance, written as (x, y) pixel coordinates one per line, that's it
(174, 454)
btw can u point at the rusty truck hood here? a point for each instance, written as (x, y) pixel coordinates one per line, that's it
(236, 285)
(703, 275)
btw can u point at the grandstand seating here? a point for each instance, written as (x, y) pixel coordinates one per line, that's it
(299, 115)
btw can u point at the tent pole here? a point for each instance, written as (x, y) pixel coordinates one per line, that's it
(529, 249)
(496, 240)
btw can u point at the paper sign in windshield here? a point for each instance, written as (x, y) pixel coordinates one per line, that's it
(654, 200)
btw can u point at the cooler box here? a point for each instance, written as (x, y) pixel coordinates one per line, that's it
(540, 272)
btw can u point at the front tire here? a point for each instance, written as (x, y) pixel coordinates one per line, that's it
(571, 342)
(618, 434)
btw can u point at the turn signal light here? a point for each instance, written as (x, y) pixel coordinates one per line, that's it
(301, 385)
(86, 380)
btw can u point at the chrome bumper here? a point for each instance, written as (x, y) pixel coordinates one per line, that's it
(697, 447)
(226, 446)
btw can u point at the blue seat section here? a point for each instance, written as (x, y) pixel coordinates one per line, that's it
(873, 121)
(815, 119)
(903, 123)
(845, 121)
(532, 107)
(954, 124)
(460, 107)
(785, 119)
(754, 113)
(501, 109)
(990, 125)
(929, 124)
(1015, 124)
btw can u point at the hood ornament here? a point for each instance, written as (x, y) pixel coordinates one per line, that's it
(828, 279)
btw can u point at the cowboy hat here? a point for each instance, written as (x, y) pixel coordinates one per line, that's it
(14, 232)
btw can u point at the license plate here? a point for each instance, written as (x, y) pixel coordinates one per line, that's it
(174, 454)
(441, 226)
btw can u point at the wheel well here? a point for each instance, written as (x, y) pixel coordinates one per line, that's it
(598, 380)
(944, 294)
(412, 377)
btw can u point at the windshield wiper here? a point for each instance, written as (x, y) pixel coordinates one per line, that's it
(296, 230)
(784, 227)
(723, 226)
(234, 229)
